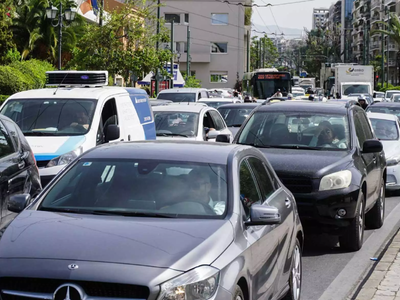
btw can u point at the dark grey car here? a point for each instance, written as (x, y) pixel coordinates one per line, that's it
(156, 220)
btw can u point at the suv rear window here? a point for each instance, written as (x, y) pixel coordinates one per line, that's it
(178, 97)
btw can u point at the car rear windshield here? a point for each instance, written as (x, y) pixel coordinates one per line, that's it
(235, 116)
(153, 188)
(176, 123)
(385, 129)
(62, 117)
(215, 104)
(297, 130)
(178, 97)
(385, 110)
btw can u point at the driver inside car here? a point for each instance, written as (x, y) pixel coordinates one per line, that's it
(325, 136)
(80, 119)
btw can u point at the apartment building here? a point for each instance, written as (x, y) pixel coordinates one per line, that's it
(319, 17)
(334, 15)
(218, 39)
(347, 28)
(361, 26)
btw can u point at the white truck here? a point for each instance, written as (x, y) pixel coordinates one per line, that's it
(353, 79)
(306, 83)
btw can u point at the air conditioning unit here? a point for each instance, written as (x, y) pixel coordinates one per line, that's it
(77, 78)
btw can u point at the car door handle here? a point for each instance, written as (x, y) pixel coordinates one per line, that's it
(288, 203)
(21, 164)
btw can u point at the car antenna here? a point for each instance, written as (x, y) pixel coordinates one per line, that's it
(66, 74)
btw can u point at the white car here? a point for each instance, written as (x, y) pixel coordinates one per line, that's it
(183, 94)
(389, 94)
(387, 128)
(296, 94)
(221, 92)
(217, 102)
(194, 121)
(395, 98)
(378, 96)
(298, 89)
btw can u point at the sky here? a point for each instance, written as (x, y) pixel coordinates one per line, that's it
(290, 16)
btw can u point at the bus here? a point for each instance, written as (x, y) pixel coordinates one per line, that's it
(264, 83)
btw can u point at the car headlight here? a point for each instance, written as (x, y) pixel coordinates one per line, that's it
(200, 284)
(392, 161)
(65, 158)
(334, 181)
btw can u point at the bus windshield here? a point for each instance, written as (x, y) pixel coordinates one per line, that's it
(265, 85)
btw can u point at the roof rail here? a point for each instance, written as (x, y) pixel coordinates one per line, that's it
(77, 78)
(188, 103)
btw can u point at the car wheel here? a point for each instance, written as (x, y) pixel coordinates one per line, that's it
(353, 238)
(375, 217)
(295, 274)
(238, 294)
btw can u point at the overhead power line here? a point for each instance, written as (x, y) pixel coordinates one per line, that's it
(263, 5)
(262, 19)
(274, 19)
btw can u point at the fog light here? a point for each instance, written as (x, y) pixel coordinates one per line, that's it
(341, 212)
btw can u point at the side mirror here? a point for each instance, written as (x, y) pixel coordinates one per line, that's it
(17, 203)
(372, 146)
(223, 138)
(212, 134)
(112, 132)
(263, 215)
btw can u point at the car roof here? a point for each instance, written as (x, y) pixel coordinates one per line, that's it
(217, 100)
(182, 90)
(393, 91)
(382, 116)
(203, 152)
(385, 104)
(306, 106)
(70, 93)
(240, 105)
(181, 107)
(132, 90)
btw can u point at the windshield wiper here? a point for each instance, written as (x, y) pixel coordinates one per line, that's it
(39, 133)
(171, 134)
(235, 125)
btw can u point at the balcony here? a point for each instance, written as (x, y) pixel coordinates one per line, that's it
(376, 4)
(392, 63)
(392, 47)
(375, 45)
(390, 2)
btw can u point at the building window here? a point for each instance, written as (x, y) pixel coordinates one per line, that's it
(176, 18)
(219, 19)
(181, 47)
(187, 18)
(219, 77)
(219, 47)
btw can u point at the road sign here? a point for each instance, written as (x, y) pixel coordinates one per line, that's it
(303, 74)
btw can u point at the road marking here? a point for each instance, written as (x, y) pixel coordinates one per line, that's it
(359, 265)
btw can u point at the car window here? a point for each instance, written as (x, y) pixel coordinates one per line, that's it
(207, 121)
(234, 116)
(262, 176)
(178, 97)
(362, 128)
(127, 187)
(6, 146)
(176, 123)
(218, 122)
(366, 125)
(12, 129)
(385, 129)
(248, 189)
(204, 94)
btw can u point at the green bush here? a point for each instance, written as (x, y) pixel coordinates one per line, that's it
(3, 98)
(21, 76)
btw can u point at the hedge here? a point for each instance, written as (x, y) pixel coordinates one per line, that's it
(3, 98)
(24, 75)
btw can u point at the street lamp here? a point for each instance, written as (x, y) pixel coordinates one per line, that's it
(69, 15)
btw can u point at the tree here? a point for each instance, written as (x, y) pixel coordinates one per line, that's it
(6, 42)
(125, 43)
(263, 53)
(393, 28)
(192, 82)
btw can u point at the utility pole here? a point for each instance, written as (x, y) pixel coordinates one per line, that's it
(364, 41)
(60, 20)
(188, 54)
(387, 52)
(158, 43)
(248, 52)
(383, 47)
(172, 54)
(101, 13)
(260, 54)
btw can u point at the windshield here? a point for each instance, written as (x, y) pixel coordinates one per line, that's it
(396, 98)
(61, 117)
(140, 188)
(385, 110)
(234, 116)
(215, 104)
(385, 129)
(298, 94)
(176, 123)
(355, 89)
(178, 97)
(267, 88)
(389, 94)
(297, 130)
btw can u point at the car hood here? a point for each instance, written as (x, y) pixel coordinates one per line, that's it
(391, 148)
(166, 138)
(180, 244)
(308, 163)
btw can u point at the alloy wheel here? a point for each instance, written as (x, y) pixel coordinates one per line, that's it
(296, 274)
(361, 221)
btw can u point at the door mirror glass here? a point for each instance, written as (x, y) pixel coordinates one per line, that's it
(222, 138)
(212, 134)
(372, 146)
(17, 203)
(112, 132)
(263, 215)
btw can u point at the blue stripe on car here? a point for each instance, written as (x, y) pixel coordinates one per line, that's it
(70, 144)
(149, 132)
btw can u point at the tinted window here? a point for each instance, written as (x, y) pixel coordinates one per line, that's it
(204, 94)
(219, 47)
(359, 130)
(6, 146)
(248, 188)
(178, 97)
(366, 125)
(51, 116)
(172, 17)
(12, 129)
(174, 188)
(218, 122)
(181, 123)
(219, 19)
(385, 110)
(385, 129)
(234, 116)
(263, 178)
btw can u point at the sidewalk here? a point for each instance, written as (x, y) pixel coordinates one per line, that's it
(384, 281)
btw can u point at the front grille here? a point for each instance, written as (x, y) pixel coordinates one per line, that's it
(91, 288)
(42, 163)
(297, 184)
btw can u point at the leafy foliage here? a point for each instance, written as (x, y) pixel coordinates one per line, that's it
(265, 57)
(192, 82)
(393, 28)
(6, 42)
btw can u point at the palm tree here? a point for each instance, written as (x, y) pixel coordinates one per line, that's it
(393, 28)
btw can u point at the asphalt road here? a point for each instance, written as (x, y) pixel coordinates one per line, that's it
(326, 268)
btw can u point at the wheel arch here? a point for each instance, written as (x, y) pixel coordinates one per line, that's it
(242, 283)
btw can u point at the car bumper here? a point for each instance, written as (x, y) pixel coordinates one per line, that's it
(393, 178)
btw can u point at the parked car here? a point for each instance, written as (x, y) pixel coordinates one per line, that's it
(334, 166)
(157, 220)
(389, 93)
(183, 94)
(387, 129)
(195, 121)
(18, 170)
(385, 108)
(217, 102)
(62, 122)
(235, 114)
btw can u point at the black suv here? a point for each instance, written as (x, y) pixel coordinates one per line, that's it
(329, 157)
(18, 170)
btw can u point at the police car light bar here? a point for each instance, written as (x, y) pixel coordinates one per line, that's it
(77, 78)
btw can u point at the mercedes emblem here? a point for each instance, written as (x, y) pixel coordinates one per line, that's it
(73, 267)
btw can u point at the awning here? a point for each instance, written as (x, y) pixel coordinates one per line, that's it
(178, 78)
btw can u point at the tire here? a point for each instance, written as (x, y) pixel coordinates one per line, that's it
(375, 217)
(353, 238)
(296, 274)
(238, 294)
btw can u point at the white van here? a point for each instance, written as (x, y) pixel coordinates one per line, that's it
(80, 113)
(183, 94)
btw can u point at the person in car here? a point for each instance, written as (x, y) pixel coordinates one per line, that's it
(81, 119)
(325, 136)
(383, 131)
